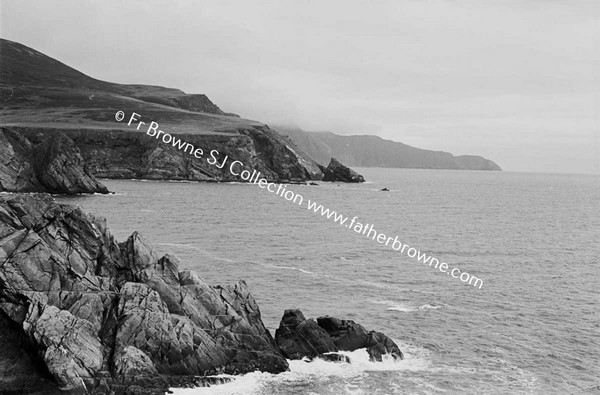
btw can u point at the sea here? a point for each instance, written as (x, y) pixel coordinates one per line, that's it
(534, 240)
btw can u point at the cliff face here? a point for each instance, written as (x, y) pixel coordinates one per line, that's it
(373, 151)
(81, 312)
(121, 155)
(53, 165)
(40, 96)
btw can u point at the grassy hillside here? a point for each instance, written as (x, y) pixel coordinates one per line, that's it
(36, 90)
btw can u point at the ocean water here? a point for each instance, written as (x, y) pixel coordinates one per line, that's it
(533, 328)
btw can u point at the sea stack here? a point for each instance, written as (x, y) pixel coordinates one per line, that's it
(337, 172)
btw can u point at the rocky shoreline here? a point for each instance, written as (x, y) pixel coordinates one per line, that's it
(68, 162)
(82, 313)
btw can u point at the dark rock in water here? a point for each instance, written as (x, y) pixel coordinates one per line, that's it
(298, 337)
(80, 312)
(336, 171)
(384, 189)
(209, 381)
(349, 336)
(334, 357)
(380, 345)
(313, 183)
(54, 165)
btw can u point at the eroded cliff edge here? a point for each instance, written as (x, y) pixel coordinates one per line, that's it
(81, 312)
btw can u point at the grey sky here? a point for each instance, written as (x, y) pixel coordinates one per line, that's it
(515, 81)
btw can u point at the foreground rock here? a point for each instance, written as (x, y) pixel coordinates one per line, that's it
(299, 337)
(82, 313)
(53, 165)
(336, 171)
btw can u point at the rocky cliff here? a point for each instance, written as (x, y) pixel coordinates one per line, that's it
(373, 151)
(40, 96)
(80, 312)
(124, 155)
(53, 165)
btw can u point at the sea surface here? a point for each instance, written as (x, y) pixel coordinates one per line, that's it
(534, 239)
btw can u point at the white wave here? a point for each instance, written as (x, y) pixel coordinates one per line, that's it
(396, 306)
(402, 308)
(303, 373)
(294, 268)
(429, 307)
(405, 308)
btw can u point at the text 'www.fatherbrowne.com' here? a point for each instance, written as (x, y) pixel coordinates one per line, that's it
(240, 170)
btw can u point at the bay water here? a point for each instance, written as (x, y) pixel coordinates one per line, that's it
(534, 240)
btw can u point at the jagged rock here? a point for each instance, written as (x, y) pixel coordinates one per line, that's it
(67, 345)
(380, 345)
(334, 357)
(299, 338)
(61, 169)
(347, 335)
(16, 167)
(133, 366)
(94, 315)
(209, 381)
(20, 373)
(336, 171)
(54, 165)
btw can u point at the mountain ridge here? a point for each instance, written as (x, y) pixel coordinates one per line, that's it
(375, 151)
(42, 96)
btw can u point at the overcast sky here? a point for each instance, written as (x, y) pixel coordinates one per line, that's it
(514, 81)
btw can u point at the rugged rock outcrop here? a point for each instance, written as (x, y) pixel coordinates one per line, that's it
(299, 337)
(336, 171)
(80, 312)
(53, 165)
(348, 335)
